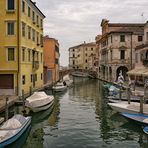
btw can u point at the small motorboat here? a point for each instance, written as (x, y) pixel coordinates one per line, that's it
(39, 101)
(67, 80)
(139, 118)
(59, 87)
(13, 128)
(145, 130)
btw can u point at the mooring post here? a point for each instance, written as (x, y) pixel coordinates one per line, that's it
(23, 99)
(120, 93)
(30, 90)
(141, 104)
(128, 95)
(6, 109)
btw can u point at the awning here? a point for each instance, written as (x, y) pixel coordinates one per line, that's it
(138, 72)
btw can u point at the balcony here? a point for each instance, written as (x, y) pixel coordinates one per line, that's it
(35, 65)
(145, 62)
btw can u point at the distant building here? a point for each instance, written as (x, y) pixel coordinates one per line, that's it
(51, 60)
(116, 48)
(21, 47)
(79, 55)
(140, 73)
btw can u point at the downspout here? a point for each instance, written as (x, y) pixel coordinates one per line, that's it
(18, 44)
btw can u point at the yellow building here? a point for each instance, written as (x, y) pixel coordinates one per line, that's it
(79, 55)
(21, 47)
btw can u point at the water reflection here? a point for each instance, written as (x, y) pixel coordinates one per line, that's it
(81, 118)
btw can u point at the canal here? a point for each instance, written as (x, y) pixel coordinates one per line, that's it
(80, 118)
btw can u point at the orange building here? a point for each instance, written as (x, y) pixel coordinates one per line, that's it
(51, 60)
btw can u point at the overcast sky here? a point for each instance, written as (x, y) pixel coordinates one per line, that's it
(75, 21)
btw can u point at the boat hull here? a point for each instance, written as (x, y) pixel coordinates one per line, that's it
(41, 108)
(133, 107)
(59, 89)
(17, 135)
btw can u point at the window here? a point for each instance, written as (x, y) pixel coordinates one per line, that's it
(10, 28)
(91, 49)
(29, 32)
(136, 57)
(147, 36)
(85, 61)
(56, 61)
(28, 11)
(41, 57)
(86, 54)
(23, 29)
(122, 54)
(41, 23)
(31, 78)
(37, 38)
(10, 4)
(29, 55)
(11, 54)
(23, 79)
(23, 6)
(33, 16)
(41, 76)
(73, 55)
(122, 38)
(37, 56)
(33, 34)
(41, 40)
(23, 54)
(86, 49)
(37, 19)
(140, 38)
(111, 38)
(111, 55)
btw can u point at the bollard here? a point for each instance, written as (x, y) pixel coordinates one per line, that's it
(30, 90)
(23, 99)
(120, 93)
(128, 95)
(6, 109)
(141, 104)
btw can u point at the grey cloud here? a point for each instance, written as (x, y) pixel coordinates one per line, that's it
(75, 21)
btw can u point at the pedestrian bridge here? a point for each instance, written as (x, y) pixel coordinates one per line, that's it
(63, 72)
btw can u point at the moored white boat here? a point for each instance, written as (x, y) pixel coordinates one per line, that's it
(59, 87)
(13, 128)
(67, 80)
(39, 101)
(133, 107)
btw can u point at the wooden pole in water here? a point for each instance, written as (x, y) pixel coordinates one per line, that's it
(120, 93)
(6, 109)
(141, 104)
(23, 99)
(128, 95)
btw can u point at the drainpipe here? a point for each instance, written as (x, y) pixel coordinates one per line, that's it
(18, 44)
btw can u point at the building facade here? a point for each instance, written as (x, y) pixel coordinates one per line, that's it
(51, 60)
(140, 72)
(116, 48)
(80, 56)
(21, 47)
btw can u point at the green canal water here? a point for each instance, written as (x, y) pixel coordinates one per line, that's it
(81, 118)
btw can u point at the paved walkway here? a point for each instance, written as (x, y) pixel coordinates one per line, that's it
(11, 101)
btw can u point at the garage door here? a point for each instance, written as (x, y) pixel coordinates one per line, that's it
(6, 81)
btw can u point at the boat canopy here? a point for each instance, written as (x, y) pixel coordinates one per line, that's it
(138, 72)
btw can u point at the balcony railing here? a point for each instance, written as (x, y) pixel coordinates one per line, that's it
(35, 65)
(145, 62)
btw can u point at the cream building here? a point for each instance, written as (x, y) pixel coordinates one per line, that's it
(21, 47)
(79, 56)
(116, 48)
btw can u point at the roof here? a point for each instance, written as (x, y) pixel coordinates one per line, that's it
(84, 44)
(141, 46)
(34, 3)
(138, 72)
